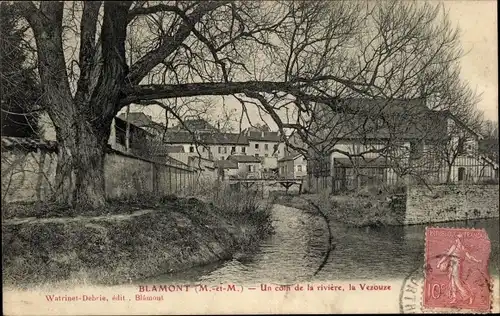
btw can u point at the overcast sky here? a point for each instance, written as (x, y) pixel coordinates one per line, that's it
(477, 21)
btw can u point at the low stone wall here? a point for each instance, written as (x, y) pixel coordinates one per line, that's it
(444, 203)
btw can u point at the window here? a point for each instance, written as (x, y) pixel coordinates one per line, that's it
(233, 150)
(266, 155)
(250, 168)
(225, 150)
(256, 146)
(299, 168)
(275, 148)
(266, 146)
(191, 149)
(243, 150)
(222, 157)
(220, 150)
(203, 149)
(256, 155)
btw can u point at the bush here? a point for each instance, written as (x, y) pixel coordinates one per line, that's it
(489, 181)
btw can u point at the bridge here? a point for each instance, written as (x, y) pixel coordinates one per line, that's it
(251, 182)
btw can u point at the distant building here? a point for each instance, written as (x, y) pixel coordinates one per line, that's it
(196, 124)
(265, 144)
(248, 166)
(293, 166)
(386, 141)
(226, 169)
(139, 138)
(215, 146)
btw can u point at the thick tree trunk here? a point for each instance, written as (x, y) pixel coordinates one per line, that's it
(64, 185)
(80, 169)
(89, 168)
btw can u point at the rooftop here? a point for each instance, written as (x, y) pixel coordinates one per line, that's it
(243, 158)
(226, 164)
(382, 119)
(292, 156)
(195, 125)
(28, 144)
(264, 136)
(141, 120)
(186, 137)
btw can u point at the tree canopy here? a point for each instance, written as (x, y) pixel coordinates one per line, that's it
(19, 93)
(96, 57)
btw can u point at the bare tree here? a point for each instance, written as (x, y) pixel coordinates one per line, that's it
(489, 145)
(458, 102)
(282, 54)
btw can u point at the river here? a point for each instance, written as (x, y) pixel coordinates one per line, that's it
(296, 250)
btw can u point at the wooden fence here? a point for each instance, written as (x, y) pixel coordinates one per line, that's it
(470, 170)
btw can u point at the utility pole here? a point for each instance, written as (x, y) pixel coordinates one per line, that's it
(127, 130)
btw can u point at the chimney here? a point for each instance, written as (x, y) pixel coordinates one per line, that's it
(263, 133)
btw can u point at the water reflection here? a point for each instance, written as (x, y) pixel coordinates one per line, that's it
(296, 250)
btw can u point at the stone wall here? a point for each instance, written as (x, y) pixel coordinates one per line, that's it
(29, 175)
(126, 176)
(444, 203)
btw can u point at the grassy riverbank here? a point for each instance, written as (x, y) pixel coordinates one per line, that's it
(357, 209)
(127, 240)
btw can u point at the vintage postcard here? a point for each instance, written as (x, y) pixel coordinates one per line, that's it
(249, 157)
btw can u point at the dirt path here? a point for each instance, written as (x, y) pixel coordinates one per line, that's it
(118, 217)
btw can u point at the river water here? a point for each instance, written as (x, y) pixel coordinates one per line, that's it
(296, 250)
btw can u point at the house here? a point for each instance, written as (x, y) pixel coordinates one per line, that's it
(386, 141)
(226, 169)
(248, 166)
(293, 166)
(265, 144)
(139, 138)
(216, 146)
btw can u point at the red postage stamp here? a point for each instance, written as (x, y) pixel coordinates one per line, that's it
(456, 275)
